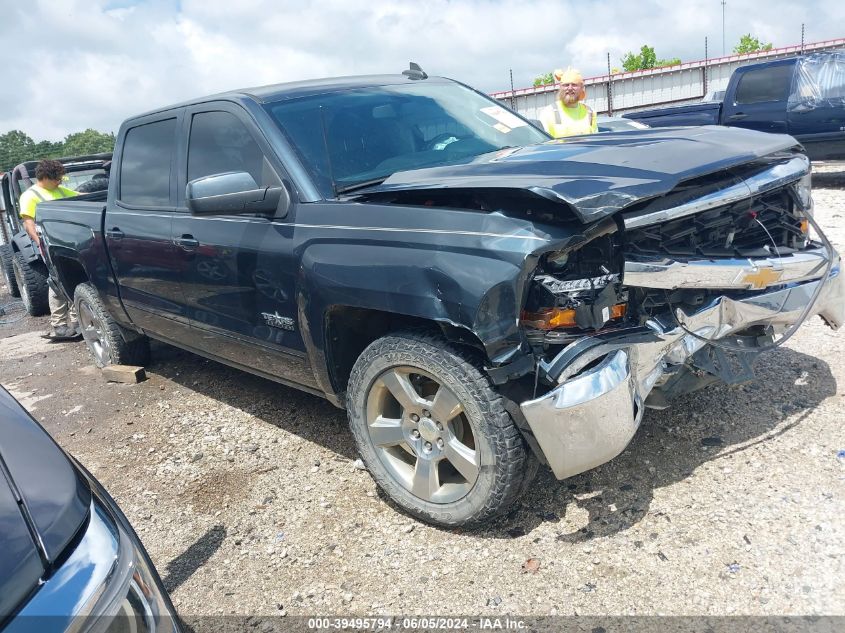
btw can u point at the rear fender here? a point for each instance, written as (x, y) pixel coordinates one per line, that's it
(23, 244)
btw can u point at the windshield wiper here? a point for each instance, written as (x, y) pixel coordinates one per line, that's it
(361, 185)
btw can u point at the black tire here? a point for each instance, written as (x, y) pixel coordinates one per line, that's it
(108, 342)
(7, 271)
(32, 284)
(499, 453)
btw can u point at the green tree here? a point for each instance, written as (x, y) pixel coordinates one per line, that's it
(645, 60)
(544, 80)
(750, 44)
(88, 142)
(15, 147)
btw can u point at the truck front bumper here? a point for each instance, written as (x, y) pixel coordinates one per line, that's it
(596, 407)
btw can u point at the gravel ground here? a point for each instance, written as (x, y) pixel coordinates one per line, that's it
(247, 498)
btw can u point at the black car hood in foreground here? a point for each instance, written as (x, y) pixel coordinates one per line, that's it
(600, 174)
(43, 503)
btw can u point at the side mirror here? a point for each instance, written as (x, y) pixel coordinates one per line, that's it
(235, 192)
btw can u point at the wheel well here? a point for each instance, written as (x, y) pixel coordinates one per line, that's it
(70, 272)
(350, 330)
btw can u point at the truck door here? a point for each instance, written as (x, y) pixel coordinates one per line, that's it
(817, 106)
(137, 227)
(757, 98)
(238, 284)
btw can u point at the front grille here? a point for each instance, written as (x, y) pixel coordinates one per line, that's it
(763, 227)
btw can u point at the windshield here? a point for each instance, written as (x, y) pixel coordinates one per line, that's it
(373, 132)
(74, 179)
(71, 180)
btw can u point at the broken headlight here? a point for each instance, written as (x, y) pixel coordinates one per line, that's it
(572, 304)
(804, 189)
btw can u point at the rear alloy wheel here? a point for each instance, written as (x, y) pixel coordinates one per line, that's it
(31, 278)
(108, 342)
(433, 432)
(7, 271)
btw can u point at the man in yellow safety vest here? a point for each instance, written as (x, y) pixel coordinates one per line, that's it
(48, 186)
(567, 116)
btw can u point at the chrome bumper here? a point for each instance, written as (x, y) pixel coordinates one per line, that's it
(591, 416)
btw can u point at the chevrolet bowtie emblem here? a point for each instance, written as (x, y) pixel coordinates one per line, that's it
(761, 277)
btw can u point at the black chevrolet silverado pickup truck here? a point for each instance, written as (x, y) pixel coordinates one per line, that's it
(479, 298)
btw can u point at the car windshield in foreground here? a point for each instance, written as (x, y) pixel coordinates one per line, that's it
(355, 137)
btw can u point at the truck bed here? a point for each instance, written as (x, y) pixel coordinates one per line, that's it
(707, 113)
(81, 210)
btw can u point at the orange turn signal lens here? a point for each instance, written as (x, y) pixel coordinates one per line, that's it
(805, 226)
(555, 318)
(618, 311)
(549, 318)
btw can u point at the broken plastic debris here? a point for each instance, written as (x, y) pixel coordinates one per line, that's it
(531, 566)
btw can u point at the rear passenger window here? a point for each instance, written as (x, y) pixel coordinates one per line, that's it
(221, 143)
(145, 166)
(765, 84)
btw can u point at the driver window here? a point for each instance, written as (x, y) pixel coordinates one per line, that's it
(221, 143)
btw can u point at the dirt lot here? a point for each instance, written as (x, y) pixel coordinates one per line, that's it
(246, 495)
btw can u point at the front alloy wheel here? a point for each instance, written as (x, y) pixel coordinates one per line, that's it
(433, 432)
(421, 434)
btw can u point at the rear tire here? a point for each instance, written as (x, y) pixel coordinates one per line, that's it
(32, 284)
(7, 271)
(108, 342)
(433, 432)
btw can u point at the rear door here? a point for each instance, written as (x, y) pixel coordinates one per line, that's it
(758, 101)
(239, 270)
(817, 107)
(138, 223)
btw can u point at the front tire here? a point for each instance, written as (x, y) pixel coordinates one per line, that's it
(32, 283)
(108, 342)
(433, 432)
(7, 271)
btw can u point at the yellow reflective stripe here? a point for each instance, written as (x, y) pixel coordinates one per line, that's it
(563, 123)
(40, 196)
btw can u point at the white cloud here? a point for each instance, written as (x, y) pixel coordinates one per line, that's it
(81, 63)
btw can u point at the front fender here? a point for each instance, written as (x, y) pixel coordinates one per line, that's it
(473, 291)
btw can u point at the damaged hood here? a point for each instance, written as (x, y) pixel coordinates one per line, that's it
(600, 174)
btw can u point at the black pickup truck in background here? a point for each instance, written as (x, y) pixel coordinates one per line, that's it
(800, 96)
(479, 298)
(21, 265)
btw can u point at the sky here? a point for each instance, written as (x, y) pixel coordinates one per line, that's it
(78, 64)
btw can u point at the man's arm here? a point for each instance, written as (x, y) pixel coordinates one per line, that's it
(29, 227)
(547, 119)
(28, 204)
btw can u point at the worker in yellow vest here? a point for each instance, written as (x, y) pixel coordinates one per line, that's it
(48, 186)
(568, 116)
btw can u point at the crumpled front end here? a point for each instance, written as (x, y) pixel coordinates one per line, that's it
(701, 289)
